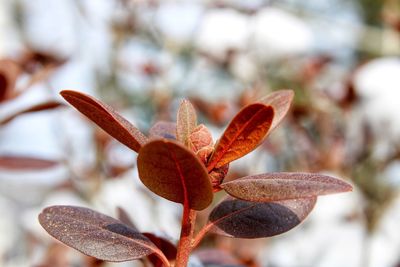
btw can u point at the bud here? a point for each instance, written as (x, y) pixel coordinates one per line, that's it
(200, 138)
(205, 153)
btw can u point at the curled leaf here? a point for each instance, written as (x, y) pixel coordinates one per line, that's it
(107, 118)
(280, 100)
(245, 219)
(186, 121)
(244, 133)
(174, 172)
(163, 129)
(284, 185)
(217, 176)
(96, 234)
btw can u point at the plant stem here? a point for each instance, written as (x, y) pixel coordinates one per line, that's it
(200, 235)
(185, 241)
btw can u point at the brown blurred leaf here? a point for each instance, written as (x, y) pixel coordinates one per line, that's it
(35, 108)
(245, 219)
(163, 129)
(243, 134)
(22, 163)
(218, 113)
(123, 216)
(186, 121)
(95, 234)
(217, 257)
(164, 245)
(284, 185)
(280, 101)
(174, 172)
(34, 61)
(108, 119)
(9, 72)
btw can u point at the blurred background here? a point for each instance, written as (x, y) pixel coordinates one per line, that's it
(342, 59)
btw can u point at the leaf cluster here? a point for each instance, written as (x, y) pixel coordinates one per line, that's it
(179, 161)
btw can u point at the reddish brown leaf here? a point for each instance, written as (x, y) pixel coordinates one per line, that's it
(164, 245)
(95, 234)
(168, 249)
(245, 219)
(186, 121)
(284, 185)
(108, 119)
(23, 163)
(163, 129)
(9, 71)
(174, 172)
(243, 134)
(35, 108)
(280, 101)
(217, 257)
(123, 216)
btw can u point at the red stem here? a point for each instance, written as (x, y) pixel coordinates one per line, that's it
(200, 235)
(185, 241)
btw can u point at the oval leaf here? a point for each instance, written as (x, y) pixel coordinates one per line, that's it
(186, 121)
(243, 134)
(284, 185)
(174, 172)
(22, 163)
(163, 129)
(280, 101)
(245, 219)
(95, 234)
(108, 119)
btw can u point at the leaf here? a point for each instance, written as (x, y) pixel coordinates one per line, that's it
(280, 100)
(25, 163)
(163, 129)
(245, 219)
(174, 172)
(164, 245)
(95, 234)
(123, 216)
(186, 121)
(243, 134)
(9, 72)
(217, 257)
(35, 108)
(108, 119)
(284, 185)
